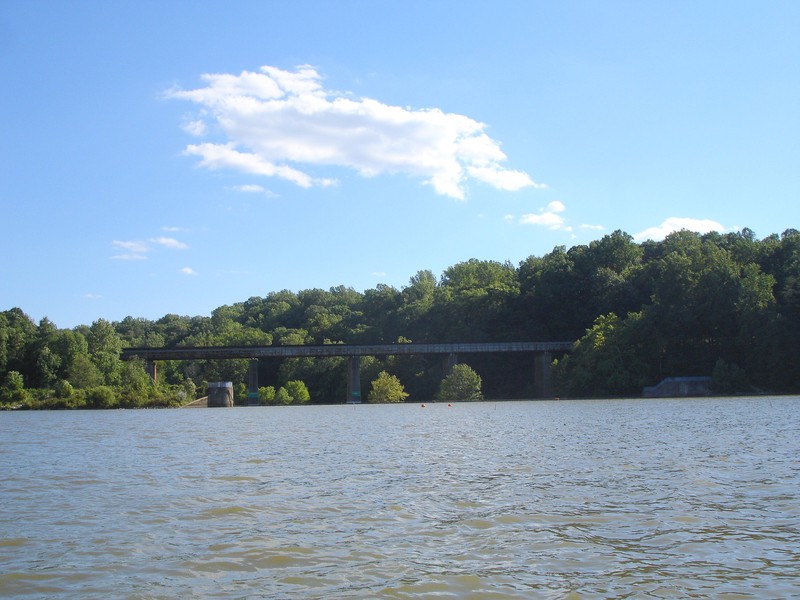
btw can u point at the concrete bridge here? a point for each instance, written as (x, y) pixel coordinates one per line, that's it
(542, 351)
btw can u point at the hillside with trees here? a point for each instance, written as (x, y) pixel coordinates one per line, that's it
(725, 305)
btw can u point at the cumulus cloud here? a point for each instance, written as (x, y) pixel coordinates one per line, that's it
(549, 217)
(672, 224)
(188, 271)
(277, 123)
(195, 128)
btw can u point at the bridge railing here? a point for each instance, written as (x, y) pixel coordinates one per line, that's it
(223, 352)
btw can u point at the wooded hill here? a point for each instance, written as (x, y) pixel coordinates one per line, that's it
(726, 305)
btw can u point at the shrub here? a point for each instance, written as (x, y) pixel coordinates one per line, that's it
(63, 389)
(462, 384)
(298, 392)
(101, 396)
(386, 388)
(282, 396)
(267, 394)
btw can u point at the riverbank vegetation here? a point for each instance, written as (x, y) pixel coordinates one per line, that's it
(724, 305)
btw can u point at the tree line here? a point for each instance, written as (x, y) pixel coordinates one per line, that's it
(725, 305)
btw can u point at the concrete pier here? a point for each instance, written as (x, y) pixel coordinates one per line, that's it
(253, 396)
(354, 380)
(220, 393)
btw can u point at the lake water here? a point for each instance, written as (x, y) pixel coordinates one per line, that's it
(570, 499)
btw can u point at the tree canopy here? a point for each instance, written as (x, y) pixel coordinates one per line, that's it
(691, 304)
(386, 388)
(461, 385)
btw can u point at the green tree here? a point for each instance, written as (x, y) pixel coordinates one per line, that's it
(267, 394)
(609, 360)
(461, 385)
(135, 384)
(104, 349)
(19, 333)
(189, 390)
(386, 388)
(102, 396)
(728, 378)
(282, 396)
(13, 390)
(63, 389)
(83, 373)
(473, 301)
(68, 345)
(48, 366)
(298, 392)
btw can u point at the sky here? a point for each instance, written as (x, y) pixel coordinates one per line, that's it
(170, 157)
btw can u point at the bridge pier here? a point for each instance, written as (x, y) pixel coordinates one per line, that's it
(353, 380)
(542, 380)
(152, 370)
(448, 362)
(542, 357)
(253, 397)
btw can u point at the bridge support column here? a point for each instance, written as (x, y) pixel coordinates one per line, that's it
(449, 361)
(542, 382)
(253, 398)
(354, 380)
(152, 370)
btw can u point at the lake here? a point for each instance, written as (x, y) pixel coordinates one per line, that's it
(563, 499)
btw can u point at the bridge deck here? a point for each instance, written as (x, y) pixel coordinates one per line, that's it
(210, 352)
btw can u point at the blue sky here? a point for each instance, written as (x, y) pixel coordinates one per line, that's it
(172, 157)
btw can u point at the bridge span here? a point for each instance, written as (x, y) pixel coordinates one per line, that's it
(542, 350)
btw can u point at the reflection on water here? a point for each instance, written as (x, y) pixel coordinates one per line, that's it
(644, 498)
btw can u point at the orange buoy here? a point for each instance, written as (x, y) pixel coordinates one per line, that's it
(422, 406)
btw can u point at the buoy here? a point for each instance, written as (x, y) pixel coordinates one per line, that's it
(449, 405)
(422, 405)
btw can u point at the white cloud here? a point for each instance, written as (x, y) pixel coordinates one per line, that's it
(92, 296)
(188, 271)
(133, 250)
(250, 189)
(673, 224)
(276, 122)
(169, 243)
(129, 256)
(138, 249)
(549, 217)
(592, 227)
(196, 128)
(132, 246)
(546, 219)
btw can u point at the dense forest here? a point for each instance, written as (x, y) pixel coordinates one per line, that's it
(724, 305)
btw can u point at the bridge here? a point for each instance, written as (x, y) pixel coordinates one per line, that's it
(450, 351)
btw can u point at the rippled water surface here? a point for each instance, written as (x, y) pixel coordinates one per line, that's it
(595, 499)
